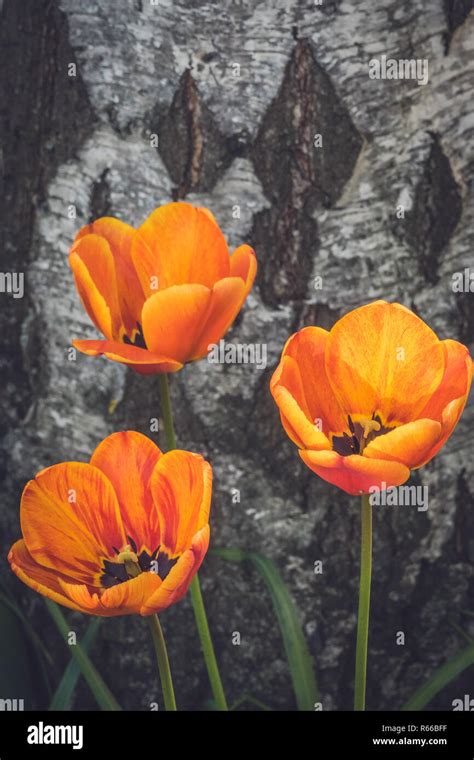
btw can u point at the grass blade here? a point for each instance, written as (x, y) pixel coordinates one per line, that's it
(441, 678)
(63, 695)
(105, 698)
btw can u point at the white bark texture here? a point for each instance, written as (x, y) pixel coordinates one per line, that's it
(236, 92)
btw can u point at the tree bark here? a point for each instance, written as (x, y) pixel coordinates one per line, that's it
(236, 93)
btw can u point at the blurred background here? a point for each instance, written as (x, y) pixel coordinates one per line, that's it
(114, 107)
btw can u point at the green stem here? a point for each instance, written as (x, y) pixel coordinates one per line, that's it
(364, 603)
(163, 663)
(101, 692)
(206, 644)
(167, 411)
(195, 588)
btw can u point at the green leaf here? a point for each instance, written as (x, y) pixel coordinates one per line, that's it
(441, 678)
(296, 648)
(103, 695)
(62, 699)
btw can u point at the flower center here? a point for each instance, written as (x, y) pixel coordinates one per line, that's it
(138, 339)
(129, 564)
(359, 434)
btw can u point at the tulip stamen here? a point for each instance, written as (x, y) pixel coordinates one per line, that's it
(129, 564)
(360, 434)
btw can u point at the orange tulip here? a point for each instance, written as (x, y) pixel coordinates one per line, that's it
(124, 534)
(162, 293)
(372, 399)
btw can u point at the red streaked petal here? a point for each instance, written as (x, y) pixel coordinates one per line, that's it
(181, 485)
(128, 459)
(70, 520)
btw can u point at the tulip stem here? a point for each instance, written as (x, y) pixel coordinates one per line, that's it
(195, 587)
(167, 411)
(364, 603)
(163, 663)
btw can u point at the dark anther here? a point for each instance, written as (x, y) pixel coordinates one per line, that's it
(351, 424)
(355, 444)
(114, 572)
(138, 341)
(132, 544)
(165, 564)
(144, 560)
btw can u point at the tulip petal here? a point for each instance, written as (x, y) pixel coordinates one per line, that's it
(448, 401)
(128, 459)
(93, 266)
(243, 263)
(407, 444)
(227, 297)
(140, 359)
(130, 294)
(39, 578)
(181, 485)
(70, 520)
(355, 474)
(177, 581)
(287, 389)
(123, 599)
(314, 393)
(179, 244)
(456, 381)
(172, 320)
(382, 358)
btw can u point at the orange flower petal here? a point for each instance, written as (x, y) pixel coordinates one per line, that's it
(456, 381)
(355, 474)
(407, 444)
(130, 294)
(243, 263)
(287, 390)
(307, 348)
(172, 320)
(227, 297)
(141, 360)
(383, 358)
(70, 520)
(93, 266)
(177, 581)
(39, 578)
(179, 244)
(181, 485)
(123, 599)
(128, 460)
